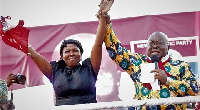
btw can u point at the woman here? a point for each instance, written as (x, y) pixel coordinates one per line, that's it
(73, 82)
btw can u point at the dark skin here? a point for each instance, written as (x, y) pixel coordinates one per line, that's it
(72, 52)
(71, 55)
(11, 78)
(157, 45)
(104, 6)
(157, 41)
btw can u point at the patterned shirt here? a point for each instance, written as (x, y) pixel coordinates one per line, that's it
(3, 92)
(182, 80)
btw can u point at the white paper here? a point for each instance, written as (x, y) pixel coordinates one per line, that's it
(146, 76)
(155, 85)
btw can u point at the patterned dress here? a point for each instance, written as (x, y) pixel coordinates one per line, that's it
(182, 80)
(3, 92)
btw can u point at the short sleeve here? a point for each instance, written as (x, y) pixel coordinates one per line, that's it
(87, 62)
(53, 64)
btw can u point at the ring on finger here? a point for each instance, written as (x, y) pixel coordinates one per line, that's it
(156, 73)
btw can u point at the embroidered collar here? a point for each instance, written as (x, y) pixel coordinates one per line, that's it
(164, 59)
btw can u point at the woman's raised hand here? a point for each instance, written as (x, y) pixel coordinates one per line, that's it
(105, 6)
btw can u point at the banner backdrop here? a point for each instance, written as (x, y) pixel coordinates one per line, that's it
(46, 38)
(186, 46)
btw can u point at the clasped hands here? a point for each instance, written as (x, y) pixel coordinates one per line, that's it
(160, 75)
(105, 6)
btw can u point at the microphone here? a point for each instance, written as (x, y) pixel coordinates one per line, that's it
(155, 59)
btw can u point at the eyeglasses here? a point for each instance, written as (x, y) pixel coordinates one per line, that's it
(152, 43)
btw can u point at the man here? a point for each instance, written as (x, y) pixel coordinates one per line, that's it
(175, 76)
(11, 78)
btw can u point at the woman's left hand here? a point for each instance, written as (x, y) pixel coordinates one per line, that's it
(105, 6)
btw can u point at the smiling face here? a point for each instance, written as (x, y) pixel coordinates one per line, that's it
(71, 55)
(157, 45)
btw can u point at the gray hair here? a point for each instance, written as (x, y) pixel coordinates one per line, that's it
(160, 34)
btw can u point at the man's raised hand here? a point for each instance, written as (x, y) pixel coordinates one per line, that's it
(105, 6)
